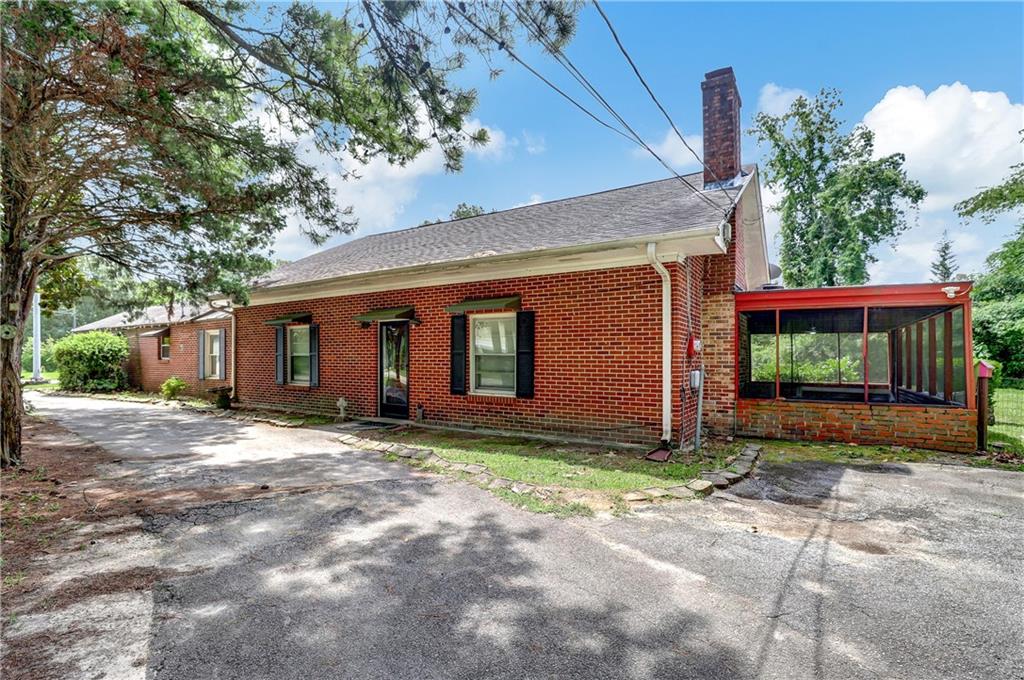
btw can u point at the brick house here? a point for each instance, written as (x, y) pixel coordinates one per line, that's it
(595, 316)
(193, 343)
(642, 314)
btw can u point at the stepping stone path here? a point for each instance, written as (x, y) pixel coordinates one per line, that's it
(741, 466)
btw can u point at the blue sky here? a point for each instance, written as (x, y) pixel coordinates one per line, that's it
(941, 82)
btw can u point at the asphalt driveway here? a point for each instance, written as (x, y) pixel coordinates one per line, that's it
(360, 568)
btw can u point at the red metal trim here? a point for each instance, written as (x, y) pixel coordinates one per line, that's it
(947, 361)
(903, 295)
(919, 356)
(864, 353)
(969, 356)
(932, 363)
(778, 358)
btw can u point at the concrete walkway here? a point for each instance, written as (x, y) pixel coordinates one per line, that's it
(809, 571)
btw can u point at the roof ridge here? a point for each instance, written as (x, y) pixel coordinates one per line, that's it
(493, 212)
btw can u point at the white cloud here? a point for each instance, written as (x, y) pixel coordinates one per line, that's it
(535, 144)
(776, 100)
(956, 140)
(533, 200)
(498, 144)
(674, 152)
(380, 191)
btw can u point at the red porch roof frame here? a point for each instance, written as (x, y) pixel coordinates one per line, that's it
(894, 295)
(838, 297)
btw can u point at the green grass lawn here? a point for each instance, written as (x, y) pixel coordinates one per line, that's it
(47, 375)
(567, 466)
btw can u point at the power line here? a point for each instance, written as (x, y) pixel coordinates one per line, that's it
(575, 72)
(632, 136)
(636, 70)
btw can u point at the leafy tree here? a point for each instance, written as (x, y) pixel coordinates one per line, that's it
(944, 266)
(998, 315)
(466, 210)
(165, 136)
(838, 202)
(461, 210)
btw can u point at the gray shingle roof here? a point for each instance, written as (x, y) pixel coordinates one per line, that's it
(150, 316)
(635, 211)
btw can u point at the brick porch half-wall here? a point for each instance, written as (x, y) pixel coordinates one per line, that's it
(597, 358)
(147, 371)
(944, 429)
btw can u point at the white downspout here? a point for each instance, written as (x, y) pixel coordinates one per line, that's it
(234, 351)
(666, 343)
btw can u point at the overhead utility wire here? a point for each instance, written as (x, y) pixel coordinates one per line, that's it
(636, 70)
(503, 46)
(575, 72)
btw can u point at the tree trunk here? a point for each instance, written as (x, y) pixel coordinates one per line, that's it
(18, 284)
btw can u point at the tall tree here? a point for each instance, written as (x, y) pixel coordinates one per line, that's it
(167, 136)
(463, 210)
(838, 202)
(944, 266)
(998, 314)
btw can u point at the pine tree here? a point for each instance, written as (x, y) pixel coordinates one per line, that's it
(944, 266)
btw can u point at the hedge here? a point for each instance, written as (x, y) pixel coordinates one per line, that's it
(92, 362)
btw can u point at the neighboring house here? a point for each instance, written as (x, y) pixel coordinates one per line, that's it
(193, 343)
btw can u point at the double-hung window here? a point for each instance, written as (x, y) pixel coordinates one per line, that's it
(298, 355)
(212, 350)
(493, 354)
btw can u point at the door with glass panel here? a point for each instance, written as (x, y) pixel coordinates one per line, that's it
(394, 369)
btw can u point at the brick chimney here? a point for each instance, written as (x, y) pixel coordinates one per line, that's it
(721, 125)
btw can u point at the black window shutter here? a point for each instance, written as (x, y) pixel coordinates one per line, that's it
(524, 354)
(458, 354)
(279, 355)
(201, 340)
(221, 369)
(314, 355)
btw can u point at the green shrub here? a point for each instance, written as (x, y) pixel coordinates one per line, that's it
(172, 387)
(91, 362)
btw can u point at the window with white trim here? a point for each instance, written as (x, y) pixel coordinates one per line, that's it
(212, 355)
(298, 355)
(492, 358)
(165, 347)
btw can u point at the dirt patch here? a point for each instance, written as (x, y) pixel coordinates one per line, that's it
(85, 587)
(28, 657)
(43, 501)
(870, 548)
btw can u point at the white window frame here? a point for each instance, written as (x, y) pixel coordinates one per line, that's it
(166, 345)
(489, 391)
(213, 359)
(288, 354)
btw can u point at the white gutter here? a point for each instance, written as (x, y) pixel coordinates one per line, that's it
(666, 342)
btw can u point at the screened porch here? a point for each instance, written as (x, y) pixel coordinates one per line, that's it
(870, 344)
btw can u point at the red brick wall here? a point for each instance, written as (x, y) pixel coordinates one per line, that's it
(946, 429)
(686, 277)
(597, 363)
(725, 274)
(147, 371)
